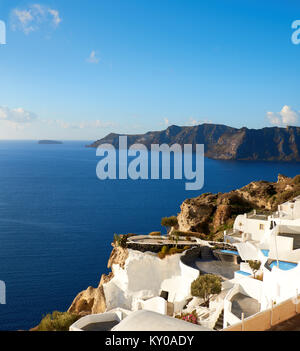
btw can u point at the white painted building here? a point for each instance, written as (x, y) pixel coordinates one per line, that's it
(274, 240)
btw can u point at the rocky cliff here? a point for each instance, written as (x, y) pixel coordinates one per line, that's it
(135, 276)
(211, 214)
(223, 142)
(138, 275)
(93, 300)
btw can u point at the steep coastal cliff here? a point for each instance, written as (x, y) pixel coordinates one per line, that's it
(138, 275)
(223, 142)
(211, 214)
(135, 276)
(93, 300)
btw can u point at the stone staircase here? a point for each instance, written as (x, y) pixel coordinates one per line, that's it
(219, 324)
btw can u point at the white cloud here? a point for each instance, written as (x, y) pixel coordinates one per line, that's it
(193, 122)
(166, 122)
(97, 124)
(287, 116)
(56, 18)
(16, 118)
(17, 115)
(93, 58)
(31, 18)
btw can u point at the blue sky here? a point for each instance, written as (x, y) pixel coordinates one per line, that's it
(81, 69)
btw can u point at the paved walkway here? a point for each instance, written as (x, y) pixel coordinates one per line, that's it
(157, 240)
(224, 269)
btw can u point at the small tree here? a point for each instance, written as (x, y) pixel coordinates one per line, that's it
(121, 240)
(176, 237)
(169, 222)
(255, 266)
(205, 286)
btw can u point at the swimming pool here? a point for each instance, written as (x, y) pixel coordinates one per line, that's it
(230, 252)
(265, 252)
(243, 273)
(285, 266)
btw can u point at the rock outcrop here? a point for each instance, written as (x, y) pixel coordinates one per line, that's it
(136, 275)
(89, 301)
(222, 214)
(140, 277)
(117, 256)
(213, 213)
(223, 142)
(93, 300)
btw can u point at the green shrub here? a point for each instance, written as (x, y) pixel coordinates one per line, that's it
(120, 240)
(190, 234)
(255, 266)
(161, 255)
(57, 321)
(155, 234)
(169, 222)
(164, 249)
(175, 250)
(205, 286)
(163, 252)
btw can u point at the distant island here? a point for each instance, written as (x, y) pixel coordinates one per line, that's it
(223, 142)
(50, 142)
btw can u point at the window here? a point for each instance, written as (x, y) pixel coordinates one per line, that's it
(261, 227)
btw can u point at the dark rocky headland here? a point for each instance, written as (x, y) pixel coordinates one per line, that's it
(49, 142)
(223, 142)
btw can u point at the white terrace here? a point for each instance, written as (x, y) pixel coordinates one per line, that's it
(274, 240)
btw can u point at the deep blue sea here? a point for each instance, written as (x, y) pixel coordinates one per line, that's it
(57, 219)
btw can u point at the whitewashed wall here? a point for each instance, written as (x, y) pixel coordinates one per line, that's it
(144, 276)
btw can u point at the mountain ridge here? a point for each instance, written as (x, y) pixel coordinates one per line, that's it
(223, 142)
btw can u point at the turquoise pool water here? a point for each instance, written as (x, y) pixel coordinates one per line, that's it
(230, 252)
(285, 266)
(243, 273)
(265, 252)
